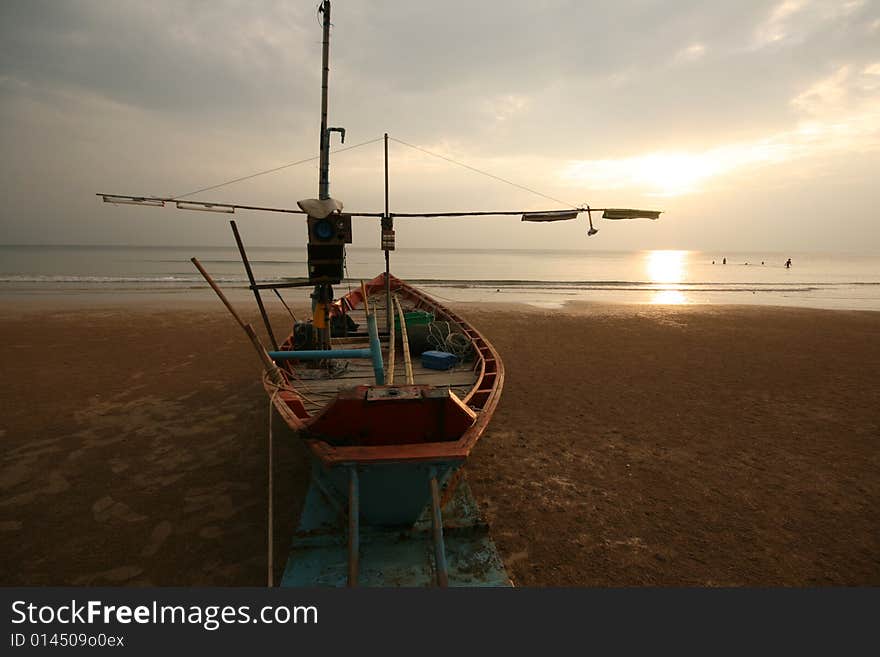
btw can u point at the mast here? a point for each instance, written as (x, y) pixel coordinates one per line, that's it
(386, 226)
(324, 176)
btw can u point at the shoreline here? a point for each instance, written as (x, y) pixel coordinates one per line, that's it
(16, 302)
(633, 446)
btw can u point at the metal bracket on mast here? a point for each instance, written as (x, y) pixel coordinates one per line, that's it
(341, 132)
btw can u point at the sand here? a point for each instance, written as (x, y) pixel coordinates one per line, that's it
(633, 445)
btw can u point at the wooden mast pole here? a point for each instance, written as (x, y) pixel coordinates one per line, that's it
(386, 220)
(324, 175)
(250, 275)
(323, 291)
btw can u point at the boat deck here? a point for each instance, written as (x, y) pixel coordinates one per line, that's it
(318, 386)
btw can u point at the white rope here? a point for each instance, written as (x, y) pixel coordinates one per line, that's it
(270, 565)
(485, 173)
(453, 342)
(274, 169)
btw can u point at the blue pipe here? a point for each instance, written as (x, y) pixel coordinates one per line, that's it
(374, 353)
(320, 354)
(376, 350)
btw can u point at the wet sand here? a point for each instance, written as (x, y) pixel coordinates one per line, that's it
(633, 445)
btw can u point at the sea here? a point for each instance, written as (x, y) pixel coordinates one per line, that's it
(538, 277)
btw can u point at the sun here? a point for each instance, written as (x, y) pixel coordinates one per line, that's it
(667, 270)
(665, 266)
(673, 174)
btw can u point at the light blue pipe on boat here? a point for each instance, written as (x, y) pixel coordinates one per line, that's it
(320, 354)
(374, 353)
(376, 349)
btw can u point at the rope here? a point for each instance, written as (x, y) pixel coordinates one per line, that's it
(274, 169)
(452, 342)
(486, 173)
(289, 311)
(270, 565)
(299, 392)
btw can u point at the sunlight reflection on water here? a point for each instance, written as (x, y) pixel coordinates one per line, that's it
(667, 268)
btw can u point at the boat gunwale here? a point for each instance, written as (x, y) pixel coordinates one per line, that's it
(459, 449)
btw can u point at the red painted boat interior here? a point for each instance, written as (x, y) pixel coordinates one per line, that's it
(354, 419)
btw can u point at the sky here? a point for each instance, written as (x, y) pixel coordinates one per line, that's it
(753, 125)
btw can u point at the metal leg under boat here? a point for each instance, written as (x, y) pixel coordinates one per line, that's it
(437, 522)
(354, 547)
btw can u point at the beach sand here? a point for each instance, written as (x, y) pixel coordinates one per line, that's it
(633, 445)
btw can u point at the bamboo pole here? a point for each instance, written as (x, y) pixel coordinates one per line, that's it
(404, 339)
(270, 366)
(391, 340)
(389, 315)
(364, 295)
(250, 275)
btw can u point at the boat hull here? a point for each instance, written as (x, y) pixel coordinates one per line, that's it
(387, 504)
(319, 554)
(390, 494)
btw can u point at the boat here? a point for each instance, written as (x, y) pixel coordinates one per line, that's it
(390, 391)
(419, 414)
(392, 450)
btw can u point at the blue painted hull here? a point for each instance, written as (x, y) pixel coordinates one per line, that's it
(390, 494)
(393, 556)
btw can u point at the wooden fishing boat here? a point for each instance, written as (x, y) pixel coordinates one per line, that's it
(388, 410)
(392, 450)
(419, 416)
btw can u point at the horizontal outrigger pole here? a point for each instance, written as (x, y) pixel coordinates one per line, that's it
(542, 215)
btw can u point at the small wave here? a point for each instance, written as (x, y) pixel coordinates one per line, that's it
(235, 261)
(648, 287)
(104, 280)
(623, 285)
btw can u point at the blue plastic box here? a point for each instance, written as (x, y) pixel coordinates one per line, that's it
(438, 360)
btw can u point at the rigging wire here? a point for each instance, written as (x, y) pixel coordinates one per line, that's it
(373, 141)
(486, 173)
(281, 299)
(274, 169)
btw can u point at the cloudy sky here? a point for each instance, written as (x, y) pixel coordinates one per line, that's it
(755, 125)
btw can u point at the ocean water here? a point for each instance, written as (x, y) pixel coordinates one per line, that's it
(544, 278)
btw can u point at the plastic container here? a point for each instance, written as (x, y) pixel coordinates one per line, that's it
(438, 360)
(415, 318)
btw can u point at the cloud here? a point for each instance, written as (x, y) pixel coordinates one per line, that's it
(794, 21)
(828, 94)
(691, 53)
(640, 97)
(779, 25)
(505, 107)
(840, 114)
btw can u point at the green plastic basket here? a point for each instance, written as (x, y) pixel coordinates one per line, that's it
(415, 318)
